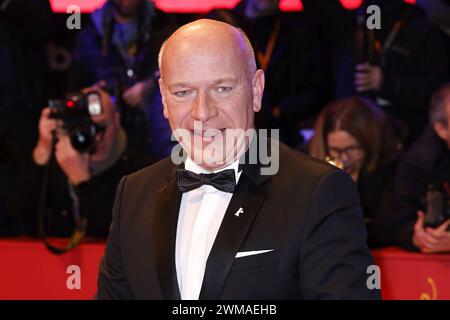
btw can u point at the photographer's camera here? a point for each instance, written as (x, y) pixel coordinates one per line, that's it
(76, 113)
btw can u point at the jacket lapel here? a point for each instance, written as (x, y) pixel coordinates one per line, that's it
(165, 226)
(250, 194)
(248, 197)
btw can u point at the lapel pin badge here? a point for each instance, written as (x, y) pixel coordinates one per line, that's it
(239, 212)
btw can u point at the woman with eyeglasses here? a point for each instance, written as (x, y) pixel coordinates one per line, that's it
(356, 136)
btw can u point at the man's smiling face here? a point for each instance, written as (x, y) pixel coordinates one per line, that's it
(208, 90)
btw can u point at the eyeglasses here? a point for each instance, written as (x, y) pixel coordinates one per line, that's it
(350, 152)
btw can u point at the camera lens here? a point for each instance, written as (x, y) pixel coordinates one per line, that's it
(81, 140)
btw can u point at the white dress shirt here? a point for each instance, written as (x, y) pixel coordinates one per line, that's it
(201, 214)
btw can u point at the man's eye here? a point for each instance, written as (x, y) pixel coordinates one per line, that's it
(223, 89)
(181, 94)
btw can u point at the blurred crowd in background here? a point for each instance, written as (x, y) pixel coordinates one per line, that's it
(374, 102)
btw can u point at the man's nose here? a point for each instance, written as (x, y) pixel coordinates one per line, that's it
(204, 107)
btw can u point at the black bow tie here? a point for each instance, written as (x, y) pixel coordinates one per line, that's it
(224, 180)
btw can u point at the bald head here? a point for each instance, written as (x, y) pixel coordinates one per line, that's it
(210, 88)
(209, 35)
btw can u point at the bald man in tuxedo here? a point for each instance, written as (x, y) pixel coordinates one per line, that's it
(217, 225)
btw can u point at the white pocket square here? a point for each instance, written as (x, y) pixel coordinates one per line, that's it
(251, 253)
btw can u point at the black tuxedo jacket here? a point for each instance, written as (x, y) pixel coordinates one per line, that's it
(308, 214)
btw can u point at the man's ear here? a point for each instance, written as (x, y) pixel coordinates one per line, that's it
(258, 89)
(442, 131)
(163, 98)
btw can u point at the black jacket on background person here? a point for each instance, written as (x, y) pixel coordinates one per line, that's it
(376, 188)
(415, 64)
(97, 57)
(427, 162)
(96, 196)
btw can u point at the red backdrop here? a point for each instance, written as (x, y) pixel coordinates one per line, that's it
(189, 5)
(29, 271)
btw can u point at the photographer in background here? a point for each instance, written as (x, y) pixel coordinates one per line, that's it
(117, 47)
(79, 183)
(422, 186)
(355, 135)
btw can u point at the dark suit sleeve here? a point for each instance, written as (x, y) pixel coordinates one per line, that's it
(112, 282)
(335, 255)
